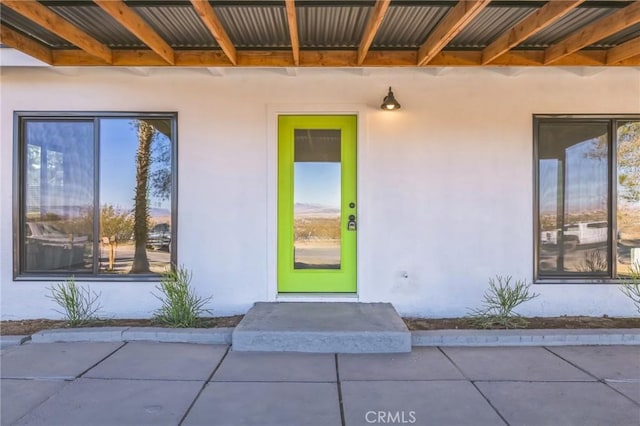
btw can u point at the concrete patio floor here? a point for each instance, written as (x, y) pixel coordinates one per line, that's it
(150, 383)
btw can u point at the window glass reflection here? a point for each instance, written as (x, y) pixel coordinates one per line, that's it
(628, 214)
(573, 199)
(317, 197)
(58, 222)
(135, 195)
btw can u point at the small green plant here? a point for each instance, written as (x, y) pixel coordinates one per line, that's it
(79, 305)
(181, 307)
(499, 301)
(630, 286)
(593, 261)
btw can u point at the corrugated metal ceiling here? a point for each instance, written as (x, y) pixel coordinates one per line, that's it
(22, 24)
(619, 38)
(256, 27)
(488, 25)
(321, 25)
(98, 24)
(407, 26)
(573, 21)
(331, 27)
(179, 26)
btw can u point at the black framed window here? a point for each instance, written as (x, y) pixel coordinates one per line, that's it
(95, 195)
(587, 197)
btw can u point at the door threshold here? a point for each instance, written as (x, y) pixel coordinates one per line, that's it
(317, 297)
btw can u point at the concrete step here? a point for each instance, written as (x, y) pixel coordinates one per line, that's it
(322, 327)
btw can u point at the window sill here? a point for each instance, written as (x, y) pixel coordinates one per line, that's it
(579, 281)
(89, 278)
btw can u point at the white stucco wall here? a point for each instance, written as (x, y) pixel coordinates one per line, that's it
(445, 184)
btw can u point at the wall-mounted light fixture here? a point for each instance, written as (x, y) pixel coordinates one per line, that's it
(389, 103)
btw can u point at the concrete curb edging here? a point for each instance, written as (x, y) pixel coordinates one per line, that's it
(549, 337)
(90, 334)
(213, 336)
(210, 336)
(9, 341)
(217, 336)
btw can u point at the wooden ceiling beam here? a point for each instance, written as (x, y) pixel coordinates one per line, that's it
(536, 21)
(602, 28)
(332, 58)
(458, 17)
(626, 50)
(129, 19)
(54, 23)
(24, 44)
(292, 20)
(208, 15)
(375, 20)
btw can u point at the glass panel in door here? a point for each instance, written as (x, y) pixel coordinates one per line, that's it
(316, 209)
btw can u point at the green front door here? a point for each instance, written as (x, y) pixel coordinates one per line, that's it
(317, 204)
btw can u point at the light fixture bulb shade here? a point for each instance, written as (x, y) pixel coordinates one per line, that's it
(390, 103)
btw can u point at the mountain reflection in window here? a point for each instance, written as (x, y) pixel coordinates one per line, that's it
(574, 199)
(317, 196)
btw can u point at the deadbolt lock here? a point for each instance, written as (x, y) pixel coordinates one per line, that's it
(351, 224)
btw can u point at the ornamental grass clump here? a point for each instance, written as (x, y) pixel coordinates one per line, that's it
(78, 305)
(499, 302)
(181, 307)
(630, 286)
